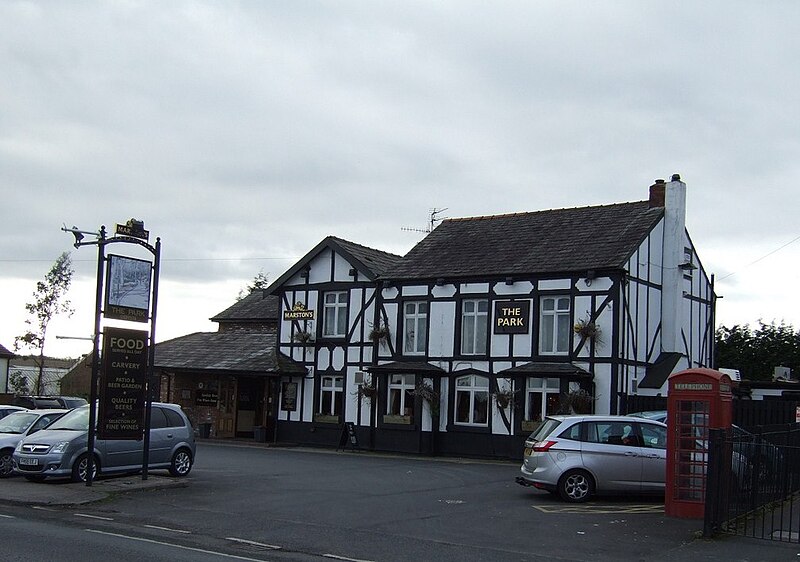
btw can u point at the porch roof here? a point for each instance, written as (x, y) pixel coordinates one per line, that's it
(547, 369)
(234, 352)
(406, 367)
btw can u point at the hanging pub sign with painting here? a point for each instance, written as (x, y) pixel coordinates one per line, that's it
(128, 289)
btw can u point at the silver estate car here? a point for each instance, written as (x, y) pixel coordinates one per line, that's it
(18, 425)
(580, 455)
(62, 448)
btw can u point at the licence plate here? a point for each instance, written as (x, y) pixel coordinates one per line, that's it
(28, 461)
(528, 451)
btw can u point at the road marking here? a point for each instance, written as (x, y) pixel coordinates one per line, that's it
(192, 549)
(336, 557)
(253, 543)
(40, 508)
(86, 515)
(7, 516)
(168, 529)
(600, 509)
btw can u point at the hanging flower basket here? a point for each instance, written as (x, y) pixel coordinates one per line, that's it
(577, 402)
(425, 391)
(303, 337)
(504, 398)
(588, 330)
(379, 333)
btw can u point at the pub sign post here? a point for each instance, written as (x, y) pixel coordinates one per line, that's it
(126, 382)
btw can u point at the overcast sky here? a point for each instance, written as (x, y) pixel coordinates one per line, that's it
(243, 133)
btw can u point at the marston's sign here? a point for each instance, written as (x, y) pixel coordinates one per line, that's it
(512, 317)
(134, 229)
(298, 312)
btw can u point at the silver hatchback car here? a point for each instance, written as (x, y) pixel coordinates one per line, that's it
(578, 456)
(62, 448)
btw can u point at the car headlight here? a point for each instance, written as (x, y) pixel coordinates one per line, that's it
(60, 447)
(18, 448)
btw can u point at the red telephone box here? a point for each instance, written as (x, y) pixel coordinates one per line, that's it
(698, 400)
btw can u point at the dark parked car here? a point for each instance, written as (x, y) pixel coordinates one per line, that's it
(36, 402)
(62, 448)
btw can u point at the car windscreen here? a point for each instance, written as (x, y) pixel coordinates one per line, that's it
(75, 420)
(17, 422)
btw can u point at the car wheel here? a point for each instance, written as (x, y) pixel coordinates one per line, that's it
(181, 463)
(80, 469)
(575, 486)
(35, 477)
(6, 467)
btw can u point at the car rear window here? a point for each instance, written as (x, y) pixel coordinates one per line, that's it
(547, 427)
(174, 419)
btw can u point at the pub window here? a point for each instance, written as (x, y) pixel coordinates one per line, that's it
(472, 400)
(554, 327)
(335, 314)
(542, 398)
(330, 396)
(415, 327)
(401, 395)
(474, 324)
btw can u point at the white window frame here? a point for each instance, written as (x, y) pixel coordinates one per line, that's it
(475, 385)
(557, 322)
(404, 385)
(333, 385)
(475, 345)
(338, 309)
(412, 322)
(546, 387)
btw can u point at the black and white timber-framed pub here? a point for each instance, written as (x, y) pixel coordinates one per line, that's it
(461, 346)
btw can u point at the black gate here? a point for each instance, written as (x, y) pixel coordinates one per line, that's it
(753, 483)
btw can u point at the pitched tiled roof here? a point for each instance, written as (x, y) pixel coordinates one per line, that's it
(255, 307)
(552, 241)
(4, 352)
(376, 260)
(369, 261)
(237, 352)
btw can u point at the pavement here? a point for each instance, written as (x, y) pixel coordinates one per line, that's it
(59, 492)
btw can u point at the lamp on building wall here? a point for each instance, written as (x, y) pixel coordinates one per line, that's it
(687, 266)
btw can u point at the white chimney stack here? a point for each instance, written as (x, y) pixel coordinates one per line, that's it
(673, 256)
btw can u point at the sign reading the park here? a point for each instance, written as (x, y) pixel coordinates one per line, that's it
(123, 385)
(128, 289)
(512, 317)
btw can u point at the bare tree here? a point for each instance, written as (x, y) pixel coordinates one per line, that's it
(260, 282)
(49, 299)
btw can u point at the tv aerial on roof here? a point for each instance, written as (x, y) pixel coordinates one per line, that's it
(433, 218)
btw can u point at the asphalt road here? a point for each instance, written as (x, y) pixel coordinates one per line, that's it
(281, 504)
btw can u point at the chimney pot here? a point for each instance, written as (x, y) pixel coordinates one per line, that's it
(676, 177)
